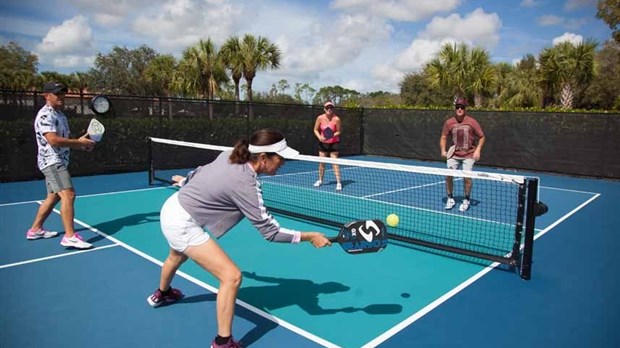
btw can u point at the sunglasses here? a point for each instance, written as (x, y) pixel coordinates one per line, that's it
(329, 107)
(460, 107)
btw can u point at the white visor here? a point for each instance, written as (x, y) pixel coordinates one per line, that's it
(280, 148)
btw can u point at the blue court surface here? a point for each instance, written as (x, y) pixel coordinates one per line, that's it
(299, 296)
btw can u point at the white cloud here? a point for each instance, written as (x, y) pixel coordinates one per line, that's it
(68, 45)
(106, 13)
(326, 47)
(568, 37)
(575, 24)
(528, 3)
(404, 10)
(73, 35)
(478, 28)
(573, 4)
(410, 60)
(548, 20)
(178, 24)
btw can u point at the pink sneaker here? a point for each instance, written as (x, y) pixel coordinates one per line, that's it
(75, 242)
(230, 344)
(42, 233)
(158, 298)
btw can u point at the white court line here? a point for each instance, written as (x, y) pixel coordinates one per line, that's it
(56, 256)
(188, 277)
(568, 190)
(419, 314)
(92, 195)
(408, 188)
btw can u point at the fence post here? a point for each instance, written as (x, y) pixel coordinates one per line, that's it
(362, 132)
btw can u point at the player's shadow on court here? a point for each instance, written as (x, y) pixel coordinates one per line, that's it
(286, 292)
(303, 293)
(333, 183)
(113, 226)
(263, 325)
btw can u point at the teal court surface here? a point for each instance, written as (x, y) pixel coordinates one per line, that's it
(299, 296)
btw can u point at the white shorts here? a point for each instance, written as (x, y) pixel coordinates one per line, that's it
(179, 228)
(466, 164)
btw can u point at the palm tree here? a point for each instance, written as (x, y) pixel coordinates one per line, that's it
(446, 70)
(481, 74)
(232, 57)
(462, 70)
(79, 81)
(258, 54)
(158, 74)
(200, 71)
(567, 68)
(525, 87)
(502, 72)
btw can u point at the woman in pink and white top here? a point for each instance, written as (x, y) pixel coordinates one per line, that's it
(327, 128)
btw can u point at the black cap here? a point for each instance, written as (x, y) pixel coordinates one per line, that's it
(54, 87)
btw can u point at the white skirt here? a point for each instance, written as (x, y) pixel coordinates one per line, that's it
(179, 228)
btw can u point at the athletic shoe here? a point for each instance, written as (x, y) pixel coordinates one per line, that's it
(338, 187)
(75, 242)
(450, 203)
(464, 205)
(158, 298)
(318, 183)
(230, 344)
(42, 233)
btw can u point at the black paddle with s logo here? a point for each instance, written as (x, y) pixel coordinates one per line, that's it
(364, 236)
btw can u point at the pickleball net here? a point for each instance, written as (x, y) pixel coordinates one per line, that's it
(498, 225)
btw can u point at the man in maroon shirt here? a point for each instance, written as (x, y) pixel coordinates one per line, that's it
(468, 139)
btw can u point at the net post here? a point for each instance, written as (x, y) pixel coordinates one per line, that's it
(150, 161)
(516, 247)
(528, 248)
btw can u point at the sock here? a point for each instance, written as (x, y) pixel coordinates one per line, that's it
(450, 195)
(219, 340)
(167, 292)
(467, 197)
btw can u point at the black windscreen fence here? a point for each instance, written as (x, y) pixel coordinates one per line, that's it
(567, 143)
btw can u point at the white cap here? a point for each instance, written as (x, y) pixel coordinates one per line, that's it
(281, 148)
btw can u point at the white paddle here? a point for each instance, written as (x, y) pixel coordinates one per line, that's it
(450, 152)
(95, 130)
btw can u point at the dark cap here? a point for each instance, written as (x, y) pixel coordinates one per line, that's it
(54, 87)
(460, 102)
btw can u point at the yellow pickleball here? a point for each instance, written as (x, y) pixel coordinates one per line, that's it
(392, 220)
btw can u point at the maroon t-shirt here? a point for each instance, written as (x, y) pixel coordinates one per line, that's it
(465, 135)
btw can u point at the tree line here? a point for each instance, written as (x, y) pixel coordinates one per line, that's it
(564, 76)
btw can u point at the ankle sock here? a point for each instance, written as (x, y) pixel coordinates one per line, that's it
(219, 340)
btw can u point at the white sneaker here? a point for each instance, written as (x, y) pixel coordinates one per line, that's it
(318, 183)
(450, 203)
(76, 242)
(338, 187)
(42, 233)
(464, 205)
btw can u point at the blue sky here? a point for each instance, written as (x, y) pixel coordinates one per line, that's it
(365, 45)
